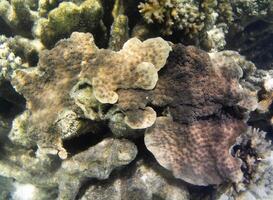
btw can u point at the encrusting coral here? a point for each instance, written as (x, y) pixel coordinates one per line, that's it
(199, 152)
(194, 93)
(95, 105)
(38, 86)
(70, 62)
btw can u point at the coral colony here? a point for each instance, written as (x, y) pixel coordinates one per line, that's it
(136, 99)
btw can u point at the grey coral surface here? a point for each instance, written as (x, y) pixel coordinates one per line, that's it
(136, 99)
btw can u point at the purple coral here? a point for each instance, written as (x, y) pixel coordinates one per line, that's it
(194, 141)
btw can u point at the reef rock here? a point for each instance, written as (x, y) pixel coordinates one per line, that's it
(138, 182)
(96, 162)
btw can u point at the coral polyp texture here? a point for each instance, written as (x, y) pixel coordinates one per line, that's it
(136, 99)
(47, 88)
(134, 66)
(198, 153)
(196, 92)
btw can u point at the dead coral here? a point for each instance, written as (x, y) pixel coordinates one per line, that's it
(139, 181)
(47, 171)
(96, 162)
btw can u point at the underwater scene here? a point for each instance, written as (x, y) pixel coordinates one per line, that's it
(136, 99)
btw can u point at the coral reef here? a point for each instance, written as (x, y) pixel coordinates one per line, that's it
(108, 99)
(192, 152)
(8, 60)
(43, 171)
(69, 17)
(82, 62)
(256, 153)
(141, 181)
(193, 18)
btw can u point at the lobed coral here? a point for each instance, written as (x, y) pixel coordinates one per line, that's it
(199, 152)
(18, 15)
(81, 61)
(188, 105)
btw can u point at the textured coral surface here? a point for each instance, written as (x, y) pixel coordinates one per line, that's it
(199, 152)
(136, 99)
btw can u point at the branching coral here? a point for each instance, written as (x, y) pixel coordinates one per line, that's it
(192, 17)
(180, 14)
(8, 61)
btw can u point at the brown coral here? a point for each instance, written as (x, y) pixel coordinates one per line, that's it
(135, 66)
(189, 85)
(195, 139)
(199, 152)
(74, 77)
(46, 88)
